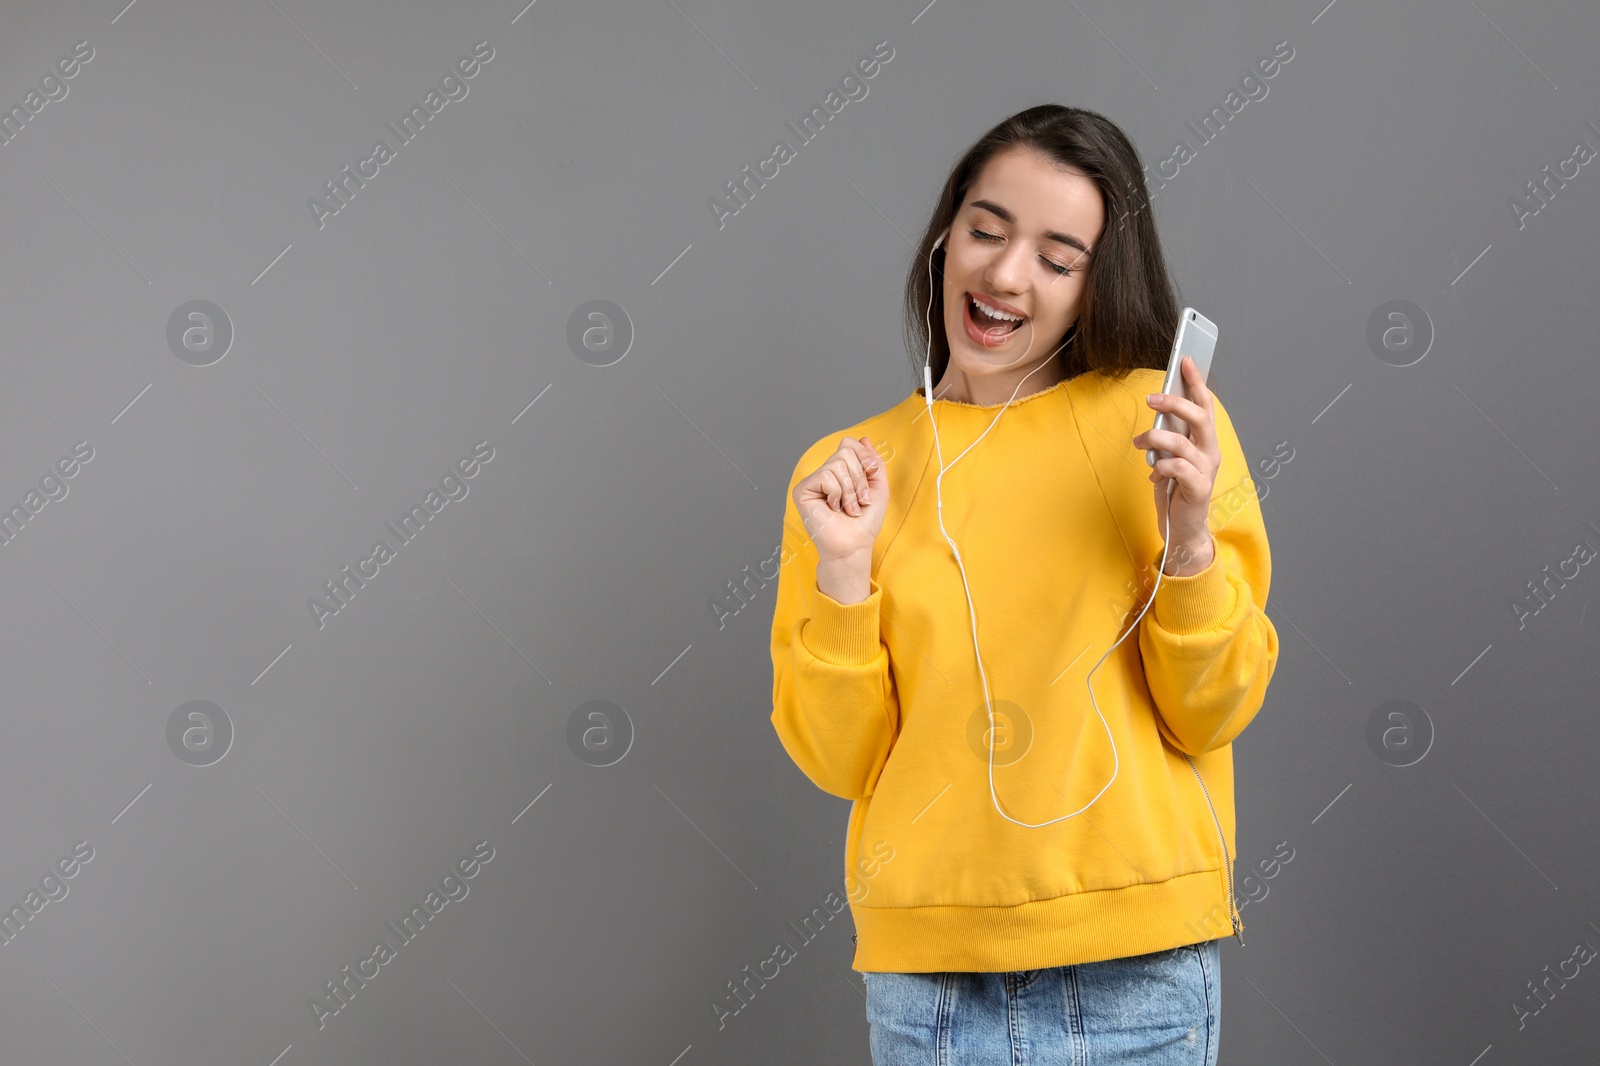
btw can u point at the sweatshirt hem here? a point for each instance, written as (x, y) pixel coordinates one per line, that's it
(1074, 928)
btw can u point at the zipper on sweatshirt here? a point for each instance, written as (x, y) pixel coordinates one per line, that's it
(1227, 863)
(848, 859)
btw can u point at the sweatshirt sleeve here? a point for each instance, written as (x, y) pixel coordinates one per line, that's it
(833, 696)
(1209, 648)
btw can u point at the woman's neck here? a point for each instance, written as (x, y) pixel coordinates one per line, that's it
(991, 389)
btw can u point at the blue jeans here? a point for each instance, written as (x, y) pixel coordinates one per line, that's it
(1159, 1009)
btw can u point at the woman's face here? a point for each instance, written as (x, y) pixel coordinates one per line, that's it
(1020, 243)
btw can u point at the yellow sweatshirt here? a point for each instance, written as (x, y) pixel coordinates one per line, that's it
(881, 702)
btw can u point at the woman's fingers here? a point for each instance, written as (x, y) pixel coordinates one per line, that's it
(871, 462)
(849, 501)
(1170, 440)
(1197, 413)
(1178, 468)
(839, 485)
(832, 491)
(844, 481)
(860, 464)
(1201, 437)
(857, 488)
(843, 486)
(1180, 407)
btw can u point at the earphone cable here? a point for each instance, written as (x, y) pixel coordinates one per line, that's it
(927, 379)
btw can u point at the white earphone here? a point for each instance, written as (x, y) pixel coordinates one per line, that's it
(927, 379)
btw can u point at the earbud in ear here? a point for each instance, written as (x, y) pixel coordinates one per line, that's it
(942, 236)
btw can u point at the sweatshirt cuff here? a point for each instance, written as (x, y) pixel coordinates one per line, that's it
(845, 634)
(1196, 603)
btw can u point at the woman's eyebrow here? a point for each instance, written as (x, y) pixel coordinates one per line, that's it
(1049, 234)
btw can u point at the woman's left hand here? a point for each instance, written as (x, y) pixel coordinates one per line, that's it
(1194, 462)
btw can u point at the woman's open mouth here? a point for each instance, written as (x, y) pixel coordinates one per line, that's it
(987, 326)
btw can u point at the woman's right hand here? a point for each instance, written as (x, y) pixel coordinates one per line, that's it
(843, 501)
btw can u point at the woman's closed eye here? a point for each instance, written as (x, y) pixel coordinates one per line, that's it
(1051, 263)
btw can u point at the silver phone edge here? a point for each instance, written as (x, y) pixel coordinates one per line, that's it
(1174, 375)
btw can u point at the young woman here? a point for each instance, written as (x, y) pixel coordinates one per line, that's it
(952, 582)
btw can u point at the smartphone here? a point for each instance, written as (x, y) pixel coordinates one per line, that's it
(1197, 338)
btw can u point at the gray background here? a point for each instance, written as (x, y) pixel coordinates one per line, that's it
(433, 711)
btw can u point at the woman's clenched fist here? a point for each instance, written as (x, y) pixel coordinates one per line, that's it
(843, 501)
